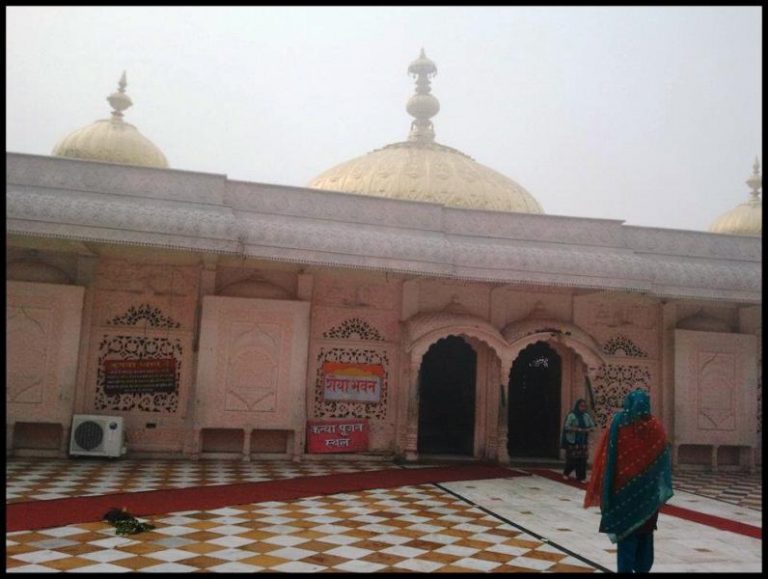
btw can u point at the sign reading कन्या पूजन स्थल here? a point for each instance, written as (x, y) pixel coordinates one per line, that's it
(342, 435)
(154, 376)
(348, 382)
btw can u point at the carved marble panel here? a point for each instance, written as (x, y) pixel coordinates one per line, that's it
(715, 388)
(252, 364)
(43, 338)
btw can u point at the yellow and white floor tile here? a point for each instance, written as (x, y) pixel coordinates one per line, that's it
(419, 528)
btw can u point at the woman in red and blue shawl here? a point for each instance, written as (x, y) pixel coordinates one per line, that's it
(631, 480)
(575, 440)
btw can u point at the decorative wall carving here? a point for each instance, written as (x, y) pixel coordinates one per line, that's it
(454, 296)
(29, 333)
(620, 323)
(611, 386)
(716, 373)
(116, 347)
(43, 322)
(370, 293)
(160, 280)
(354, 329)
(622, 346)
(154, 317)
(337, 409)
(253, 367)
(715, 388)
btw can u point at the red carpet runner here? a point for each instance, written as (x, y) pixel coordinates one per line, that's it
(683, 513)
(60, 512)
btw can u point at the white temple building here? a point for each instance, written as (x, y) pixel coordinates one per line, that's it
(411, 302)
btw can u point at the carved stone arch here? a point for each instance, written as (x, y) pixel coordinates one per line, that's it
(520, 335)
(423, 330)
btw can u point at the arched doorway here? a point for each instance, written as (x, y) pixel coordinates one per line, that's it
(534, 403)
(447, 398)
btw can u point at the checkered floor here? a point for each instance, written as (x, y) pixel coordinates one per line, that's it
(40, 479)
(415, 528)
(736, 488)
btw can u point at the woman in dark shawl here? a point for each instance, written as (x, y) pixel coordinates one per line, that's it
(575, 440)
(631, 480)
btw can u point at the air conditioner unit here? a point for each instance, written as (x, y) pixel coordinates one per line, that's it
(97, 435)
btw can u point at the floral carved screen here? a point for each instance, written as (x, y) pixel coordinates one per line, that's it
(124, 348)
(623, 346)
(153, 317)
(611, 386)
(355, 329)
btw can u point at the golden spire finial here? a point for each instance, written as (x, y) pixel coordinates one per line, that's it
(422, 106)
(119, 100)
(755, 181)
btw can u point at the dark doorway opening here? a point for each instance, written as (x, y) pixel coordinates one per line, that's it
(534, 403)
(447, 398)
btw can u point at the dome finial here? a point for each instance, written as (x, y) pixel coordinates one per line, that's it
(119, 100)
(422, 106)
(755, 182)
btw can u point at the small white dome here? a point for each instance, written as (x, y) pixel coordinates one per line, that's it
(112, 140)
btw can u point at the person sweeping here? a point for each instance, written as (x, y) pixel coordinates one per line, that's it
(631, 480)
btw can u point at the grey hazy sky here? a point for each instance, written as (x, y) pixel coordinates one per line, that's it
(652, 115)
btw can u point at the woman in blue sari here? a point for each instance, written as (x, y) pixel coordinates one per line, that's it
(631, 480)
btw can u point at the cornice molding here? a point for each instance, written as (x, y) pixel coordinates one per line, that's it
(149, 207)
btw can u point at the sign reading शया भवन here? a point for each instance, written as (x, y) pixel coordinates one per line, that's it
(346, 382)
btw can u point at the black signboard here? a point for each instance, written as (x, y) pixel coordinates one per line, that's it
(140, 376)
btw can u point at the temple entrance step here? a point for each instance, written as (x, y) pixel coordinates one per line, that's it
(523, 462)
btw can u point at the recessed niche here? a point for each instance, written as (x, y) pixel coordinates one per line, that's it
(222, 440)
(699, 454)
(37, 436)
(270, 441)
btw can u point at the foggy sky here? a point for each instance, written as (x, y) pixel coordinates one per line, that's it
(652, 115)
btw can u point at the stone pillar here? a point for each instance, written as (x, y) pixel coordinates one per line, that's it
(247, 444)
(86, 276)
(305, 285)
(493, 401)
(502, 453)
(412, 427)
(9, 428)
(593, 439)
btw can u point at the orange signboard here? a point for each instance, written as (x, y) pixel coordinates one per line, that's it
(345, 382)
